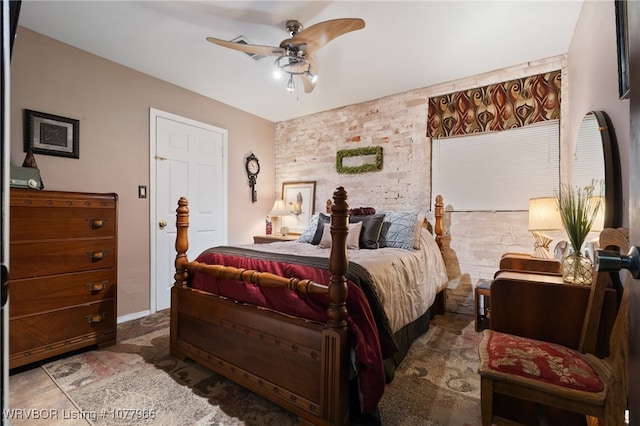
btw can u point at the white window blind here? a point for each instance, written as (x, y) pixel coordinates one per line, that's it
(497, 171)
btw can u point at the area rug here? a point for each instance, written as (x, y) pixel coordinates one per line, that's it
(137, 382)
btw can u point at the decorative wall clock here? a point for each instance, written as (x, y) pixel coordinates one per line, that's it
(253, 168)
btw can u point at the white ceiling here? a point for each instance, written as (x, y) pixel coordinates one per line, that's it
(405, 45)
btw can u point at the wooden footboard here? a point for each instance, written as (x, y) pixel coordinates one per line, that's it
(298, 364)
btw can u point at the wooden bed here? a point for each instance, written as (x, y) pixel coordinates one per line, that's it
(300, 364)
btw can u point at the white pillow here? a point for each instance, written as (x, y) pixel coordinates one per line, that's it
(353, 238)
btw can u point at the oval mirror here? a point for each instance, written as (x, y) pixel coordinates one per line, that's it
(596, 160)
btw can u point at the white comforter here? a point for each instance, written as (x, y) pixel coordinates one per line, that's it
(406, 281)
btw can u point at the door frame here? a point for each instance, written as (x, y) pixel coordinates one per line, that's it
(154, 114)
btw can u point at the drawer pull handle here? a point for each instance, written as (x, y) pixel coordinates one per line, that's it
(92, 319)
(97, 223)
(97, 255)
(97, 287)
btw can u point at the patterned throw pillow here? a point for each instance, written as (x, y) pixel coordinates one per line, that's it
(307, 234)
(398, 230)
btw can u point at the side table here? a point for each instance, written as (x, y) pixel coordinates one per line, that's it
(482, 294)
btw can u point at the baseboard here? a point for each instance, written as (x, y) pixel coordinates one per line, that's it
(133, 316)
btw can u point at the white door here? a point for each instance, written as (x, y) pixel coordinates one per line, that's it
(188, 159)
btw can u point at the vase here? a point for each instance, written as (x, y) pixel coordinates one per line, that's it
(577, 269)
(269, 228)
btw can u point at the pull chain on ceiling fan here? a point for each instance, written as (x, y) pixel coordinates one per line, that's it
(294, 56)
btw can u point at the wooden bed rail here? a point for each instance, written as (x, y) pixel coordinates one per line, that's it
(263, 279)
(338, 263)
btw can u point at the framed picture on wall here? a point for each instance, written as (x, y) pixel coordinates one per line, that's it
(300, 200)
(622, 38)
(51, 134)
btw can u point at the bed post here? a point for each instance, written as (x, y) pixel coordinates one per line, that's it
(335, 341)
(438, 229)
(181, 275)
(182, 242)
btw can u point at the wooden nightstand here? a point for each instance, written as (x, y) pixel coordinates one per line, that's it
(482, 295)
(526, 263)
(264, 239)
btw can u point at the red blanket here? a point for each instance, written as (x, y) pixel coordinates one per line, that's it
(360, 320)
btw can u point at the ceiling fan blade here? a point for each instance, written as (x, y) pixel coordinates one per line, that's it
(308, 80)
(322, 33)
(253, 49)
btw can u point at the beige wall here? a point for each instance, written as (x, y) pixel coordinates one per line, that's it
(593, 68)
(112, 103)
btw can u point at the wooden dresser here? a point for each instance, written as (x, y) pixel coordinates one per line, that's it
(62, 273)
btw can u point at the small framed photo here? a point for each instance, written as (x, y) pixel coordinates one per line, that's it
(300, 200)
(50, 134)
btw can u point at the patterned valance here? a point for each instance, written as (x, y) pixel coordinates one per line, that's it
(501, 106)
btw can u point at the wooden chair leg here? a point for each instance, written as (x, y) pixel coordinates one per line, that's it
(486, 400)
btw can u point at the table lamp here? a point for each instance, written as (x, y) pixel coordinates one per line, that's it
(280, 209)
(543, 216)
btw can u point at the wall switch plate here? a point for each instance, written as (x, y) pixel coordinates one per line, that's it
(142, 191)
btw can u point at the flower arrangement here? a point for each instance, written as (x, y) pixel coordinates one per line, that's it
(578, 208)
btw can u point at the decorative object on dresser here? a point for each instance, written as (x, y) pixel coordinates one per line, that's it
(579, 209)
(278, 211)
(543, 216)
(63, 270)
(51, 134)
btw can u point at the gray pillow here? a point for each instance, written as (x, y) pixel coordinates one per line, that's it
(370, 232)
(322, 219)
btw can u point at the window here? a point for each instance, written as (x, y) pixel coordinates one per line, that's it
(497, 171)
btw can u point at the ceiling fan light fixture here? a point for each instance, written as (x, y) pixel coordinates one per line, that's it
(291, 85)
(312, 77)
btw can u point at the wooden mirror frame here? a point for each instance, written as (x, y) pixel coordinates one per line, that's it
(613, 178)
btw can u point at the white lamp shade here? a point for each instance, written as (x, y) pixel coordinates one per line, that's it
(279, 209)
(544, 214)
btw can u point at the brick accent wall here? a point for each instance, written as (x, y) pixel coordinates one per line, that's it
(306, 150)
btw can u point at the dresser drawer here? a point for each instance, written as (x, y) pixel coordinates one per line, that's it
(43, 223)
(38, 295)
(38, 259)
(63, 326)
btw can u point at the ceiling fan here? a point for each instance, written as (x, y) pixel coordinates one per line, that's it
(295, 55)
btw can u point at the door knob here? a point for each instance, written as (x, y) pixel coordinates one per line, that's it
(609, 260)
(162, 224)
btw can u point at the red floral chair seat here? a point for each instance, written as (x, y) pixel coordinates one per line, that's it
(538, 360)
